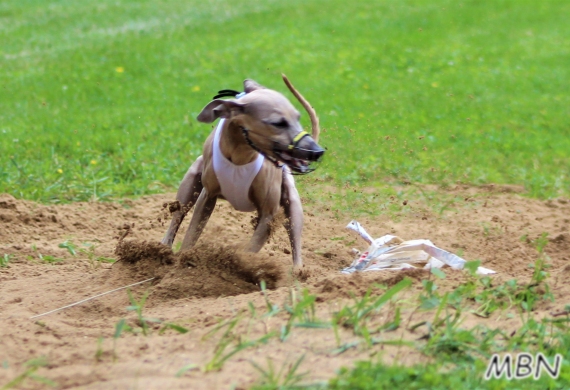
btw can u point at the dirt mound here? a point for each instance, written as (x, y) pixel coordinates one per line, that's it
(207, 270)
(358, 284)
(133, 252)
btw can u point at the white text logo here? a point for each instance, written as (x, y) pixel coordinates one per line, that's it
(524, 365)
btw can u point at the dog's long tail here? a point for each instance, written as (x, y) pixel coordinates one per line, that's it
(310, 110)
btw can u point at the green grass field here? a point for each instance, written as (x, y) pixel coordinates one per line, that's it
(99, 98)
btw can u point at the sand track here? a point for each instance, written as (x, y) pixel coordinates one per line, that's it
(215, 281)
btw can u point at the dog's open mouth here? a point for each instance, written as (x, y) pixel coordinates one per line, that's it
(300, 160)
(296, 164)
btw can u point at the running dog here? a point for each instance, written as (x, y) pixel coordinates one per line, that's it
(248, 160)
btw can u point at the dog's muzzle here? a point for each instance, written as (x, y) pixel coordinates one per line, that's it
(300, 154)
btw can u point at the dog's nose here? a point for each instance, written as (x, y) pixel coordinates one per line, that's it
(308, 149)
(316, 154)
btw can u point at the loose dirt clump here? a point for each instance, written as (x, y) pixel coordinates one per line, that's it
(233, 265)
(207, 270)
(133, 252)
(140, 260)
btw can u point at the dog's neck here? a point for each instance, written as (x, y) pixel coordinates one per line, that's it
(234, 146)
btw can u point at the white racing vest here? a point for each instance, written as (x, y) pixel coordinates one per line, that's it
(235, 180)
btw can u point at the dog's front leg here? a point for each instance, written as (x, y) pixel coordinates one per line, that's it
(262, 232)
(188, 192)
(291, 202)
(204, 207)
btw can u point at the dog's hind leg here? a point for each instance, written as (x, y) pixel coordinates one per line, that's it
(291, 202)
(204, 207)
(187, 194)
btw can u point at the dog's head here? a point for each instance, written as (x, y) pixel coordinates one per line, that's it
(270, 124)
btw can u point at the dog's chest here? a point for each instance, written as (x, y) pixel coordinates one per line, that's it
(235, 180)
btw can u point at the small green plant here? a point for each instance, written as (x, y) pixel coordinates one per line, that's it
(87, 250)
(94, 260)
(447, 340)
(231, 337)
(492, 298)
(549, 336)
(99, 351)
(69, 246)
(357, 315)
(119, 328)
(272, 309)
(540, 243)
(486, 229)
(471, 267)
(5, 259)
(301, 313)
(430, 299)
(175, 327)
(137, 307)
(538, 289)
(437, 272)
(186, 368)
(394, 323)
(31, 366)
(528, 295)
(49, 259)
(287, 375)
(122, 326)
(143, 323)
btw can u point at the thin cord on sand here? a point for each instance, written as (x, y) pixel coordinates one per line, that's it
(88, 299)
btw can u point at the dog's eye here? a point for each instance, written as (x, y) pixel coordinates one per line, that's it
(282, 124)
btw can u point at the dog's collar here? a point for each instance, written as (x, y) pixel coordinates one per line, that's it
(254, 147)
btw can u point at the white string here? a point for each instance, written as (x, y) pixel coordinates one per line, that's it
(88, 299)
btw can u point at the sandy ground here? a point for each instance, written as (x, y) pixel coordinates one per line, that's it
(213, 283)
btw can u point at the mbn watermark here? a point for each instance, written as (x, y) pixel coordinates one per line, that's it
(524, 365)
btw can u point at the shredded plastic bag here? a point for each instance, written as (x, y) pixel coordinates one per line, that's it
(392, 253)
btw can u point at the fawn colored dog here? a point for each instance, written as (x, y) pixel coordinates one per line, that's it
(248, 159)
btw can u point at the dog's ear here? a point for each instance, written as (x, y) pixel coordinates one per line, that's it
(250, 86)
(219, 108)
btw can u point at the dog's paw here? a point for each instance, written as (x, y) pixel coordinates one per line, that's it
(301, 273)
